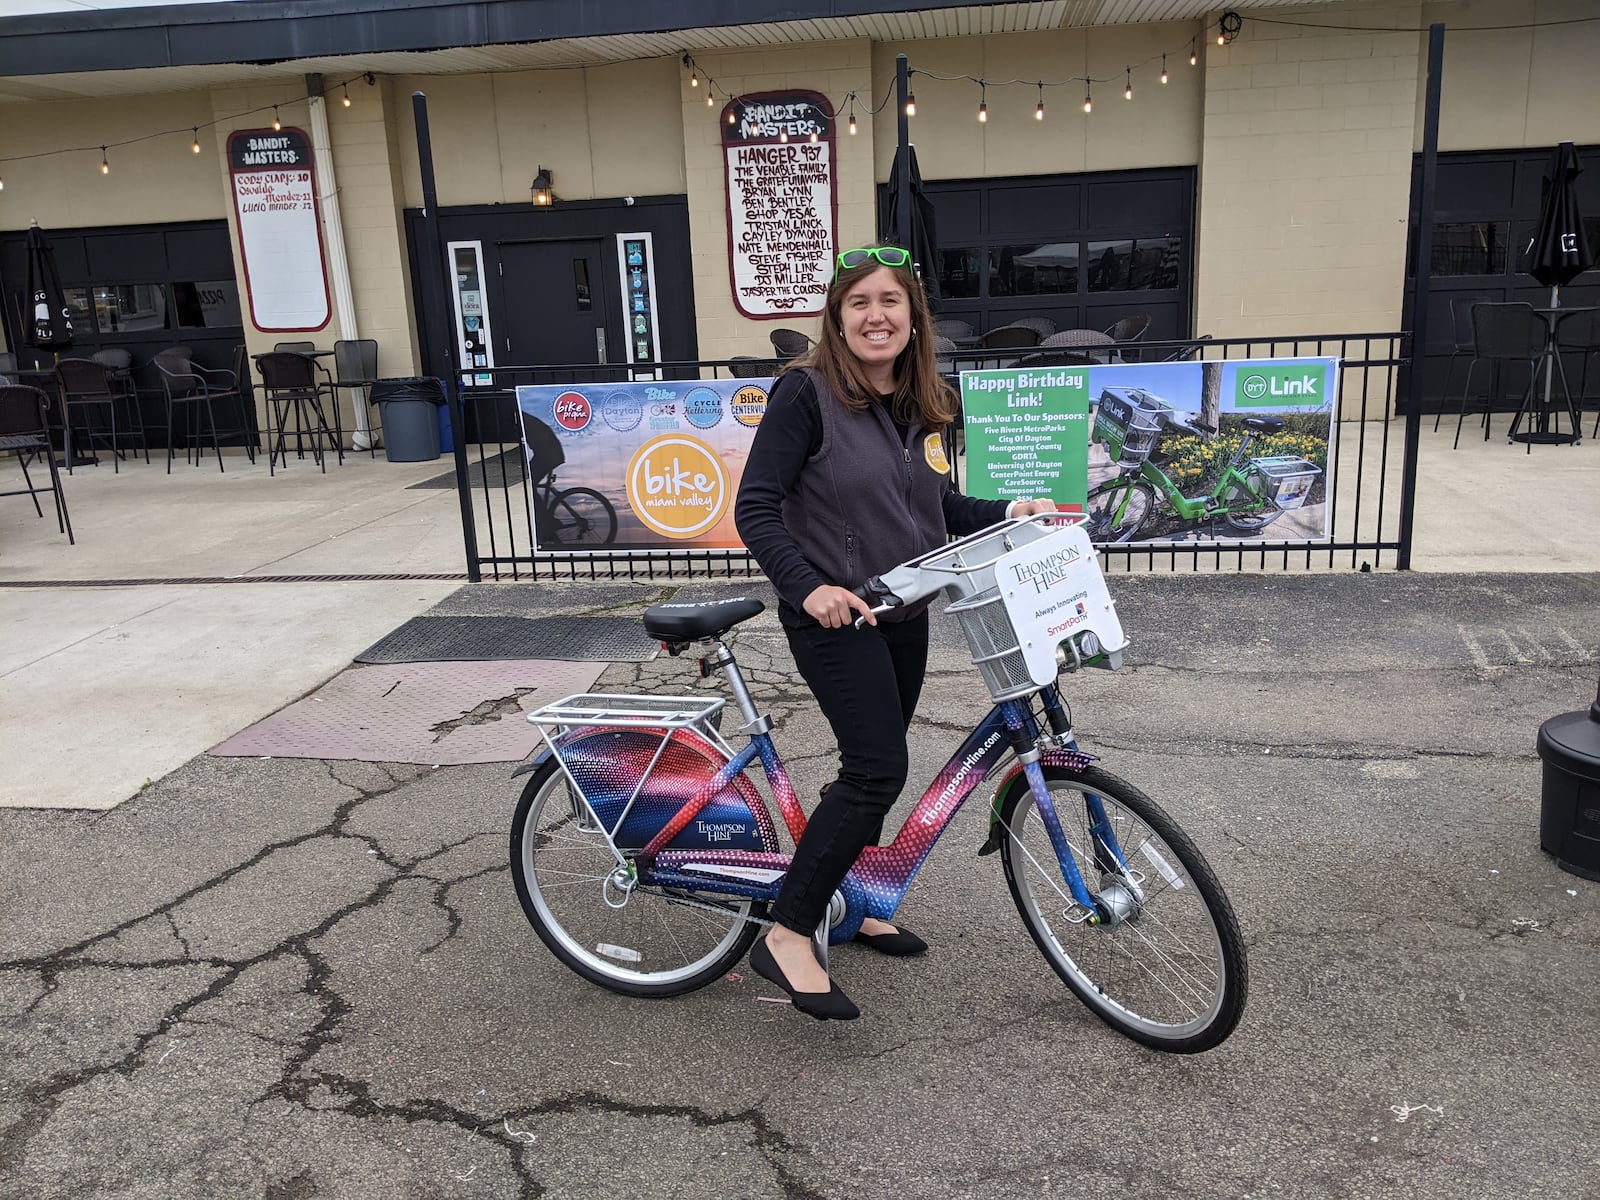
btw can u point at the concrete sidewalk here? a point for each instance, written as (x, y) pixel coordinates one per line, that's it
(103, 689)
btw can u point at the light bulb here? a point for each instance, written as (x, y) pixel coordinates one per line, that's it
(813, 139)
(983, 113)
(1038, 113)
(730, 117)
(694, 79)
(911, 104)
(852, 124)
(1163, 68)
(2, 185)
(710, 100)
(276, 124)
(196, 146)
(105, 163)
(1127, 92)
(1222, 39)
(1193, 58)
(346, 100)
(1088, 104)
(783, 135)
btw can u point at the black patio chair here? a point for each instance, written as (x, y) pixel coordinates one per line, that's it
(290, 387)
(1010, 336)
(953, 328)
(25, 430)
(1462, 342)
(746, 366)
(1043, 326)
(1129, 329)
(91, 391)
(355, 369)
(195, 391)
(1502, 333)
(1579, 333)
(789, 343)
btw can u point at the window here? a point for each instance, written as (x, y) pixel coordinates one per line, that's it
(207, 304)
(580, 284)
(1141, 264)
(1469, 248)
(960, 272)
(1033, 270)
(130, 307)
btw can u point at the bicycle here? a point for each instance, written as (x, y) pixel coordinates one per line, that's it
(578, 516)
(646, 859)
(1250, 494)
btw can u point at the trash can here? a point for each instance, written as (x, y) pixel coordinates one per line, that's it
(1569, 815)
(409, 411)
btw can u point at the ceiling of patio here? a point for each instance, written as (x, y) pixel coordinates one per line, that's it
(944, 22)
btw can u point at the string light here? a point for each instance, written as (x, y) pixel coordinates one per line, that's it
(731, 119)
(346, 100)
(814, 139)
(276, 123)
(852, 99)
(1163, 68)
(783, 135)
(2, 184)
(694, 75)
(1228, 26)
(911, 104)
(1088, 103)
(196, 146)
(1038, 113)
(1127, 88)
(1193, 57)
(711, 101)
(105, 163)
(983, 103)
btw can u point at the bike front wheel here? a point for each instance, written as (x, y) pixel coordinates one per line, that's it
(583, 517)
(637, 940)
(1118, 510)
(1166, 963)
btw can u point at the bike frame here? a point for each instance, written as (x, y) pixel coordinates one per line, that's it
(882, 875)
(1214, 503)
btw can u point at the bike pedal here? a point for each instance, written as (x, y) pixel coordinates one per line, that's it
(993, 844)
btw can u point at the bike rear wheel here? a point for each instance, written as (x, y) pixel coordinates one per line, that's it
(581, 516)
(655, 942)
(1248, 522)
(1118, 510)
(1167, 970)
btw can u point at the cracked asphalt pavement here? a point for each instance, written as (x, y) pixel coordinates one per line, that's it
(295, 979)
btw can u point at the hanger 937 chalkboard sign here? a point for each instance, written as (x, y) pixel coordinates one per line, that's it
(778, 159)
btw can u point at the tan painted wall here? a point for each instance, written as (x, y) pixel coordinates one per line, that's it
(834, 69)
(1305, 174)
(1159, 127)
(1519, 87)
(602, 132)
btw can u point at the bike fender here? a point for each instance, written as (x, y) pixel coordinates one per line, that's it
(529, 765)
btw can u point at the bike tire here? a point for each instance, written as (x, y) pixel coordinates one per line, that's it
(581, 516)
(1171, 975)
(661, 943)
(1247, 522)
(1104, 501)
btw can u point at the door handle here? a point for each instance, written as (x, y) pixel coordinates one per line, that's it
(600, 345)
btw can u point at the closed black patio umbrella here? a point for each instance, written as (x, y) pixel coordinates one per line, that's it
(924, 241)
(1560, 252)
(48, 324)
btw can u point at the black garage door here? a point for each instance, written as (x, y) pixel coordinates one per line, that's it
(1486, 204)
(1083, 250)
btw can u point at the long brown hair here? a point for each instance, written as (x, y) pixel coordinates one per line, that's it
(920, 392)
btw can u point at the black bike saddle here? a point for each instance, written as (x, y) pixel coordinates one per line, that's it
(1264, 425)
(694, 622)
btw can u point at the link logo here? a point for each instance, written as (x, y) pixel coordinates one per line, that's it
(677, 486)
(1279, 387)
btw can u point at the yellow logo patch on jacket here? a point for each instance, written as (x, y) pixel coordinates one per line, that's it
(933, 452)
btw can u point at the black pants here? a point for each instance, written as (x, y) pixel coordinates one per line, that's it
(866, 682)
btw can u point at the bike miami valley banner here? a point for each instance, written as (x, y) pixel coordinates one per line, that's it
(1161, 452)
(667, 455)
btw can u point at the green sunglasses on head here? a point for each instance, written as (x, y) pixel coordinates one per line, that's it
(889, 256)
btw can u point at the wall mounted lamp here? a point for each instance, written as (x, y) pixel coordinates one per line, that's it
(543, 192)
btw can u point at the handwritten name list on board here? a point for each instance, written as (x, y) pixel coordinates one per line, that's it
(280, 233)
(778, 157)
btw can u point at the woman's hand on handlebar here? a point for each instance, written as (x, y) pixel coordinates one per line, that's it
(835, 607)
(1032, 508)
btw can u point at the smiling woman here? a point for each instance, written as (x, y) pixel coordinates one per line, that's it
(861, 416)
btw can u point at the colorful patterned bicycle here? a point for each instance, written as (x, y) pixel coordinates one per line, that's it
(645, 857)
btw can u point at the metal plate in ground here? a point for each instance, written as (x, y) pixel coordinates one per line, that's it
(435, 712)
(447, 639)
(500, 470)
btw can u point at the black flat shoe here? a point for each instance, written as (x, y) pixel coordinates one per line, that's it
(902, 943)
(831, 1005)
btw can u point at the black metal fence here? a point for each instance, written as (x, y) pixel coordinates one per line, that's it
(1370, 476)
